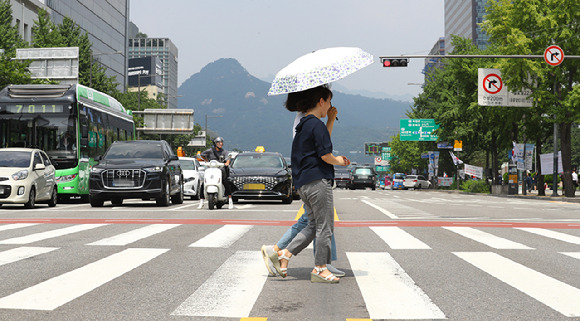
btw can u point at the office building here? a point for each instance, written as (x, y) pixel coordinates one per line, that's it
(106, 23)
(463, 18)
(24, 13)
(167, 53)
(430, 63)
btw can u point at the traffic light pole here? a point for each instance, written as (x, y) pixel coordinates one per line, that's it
(471, 56)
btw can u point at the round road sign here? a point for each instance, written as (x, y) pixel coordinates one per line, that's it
(554, 55)
(492, 84)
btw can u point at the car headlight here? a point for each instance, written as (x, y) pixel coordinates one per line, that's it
(155, 169)
(96, 170)
(280, 179)
(189, 179)
(23, 174)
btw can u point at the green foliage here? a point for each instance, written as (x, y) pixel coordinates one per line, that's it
(475, 186)
(406, 155)
(11, 71)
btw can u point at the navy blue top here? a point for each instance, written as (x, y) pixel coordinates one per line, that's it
(312, 141)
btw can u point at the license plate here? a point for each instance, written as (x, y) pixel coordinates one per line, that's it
(123, 184)
(363, 177)
(254, 186)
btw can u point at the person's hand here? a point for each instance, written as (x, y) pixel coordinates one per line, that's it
(332, 112)
(346, 161)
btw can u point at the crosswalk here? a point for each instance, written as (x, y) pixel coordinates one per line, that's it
(385, 280)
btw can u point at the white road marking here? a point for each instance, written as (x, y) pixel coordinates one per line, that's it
(135, 235)
(399, 239)
(231, 291)
(15, 226)
(50, 234)
(552, 234)
(382, 210)
(223, 237)
(388, 292)
(485, 238)
(21, 253)
(549, 291)
(62, 289)
(182, 207)
(575, 255)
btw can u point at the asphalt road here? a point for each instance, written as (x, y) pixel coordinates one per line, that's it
(420, 255)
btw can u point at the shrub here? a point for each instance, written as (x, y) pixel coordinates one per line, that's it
(475, 186)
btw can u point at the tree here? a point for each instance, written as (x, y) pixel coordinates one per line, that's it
(529, 27)
(69, 34)
(11, 71)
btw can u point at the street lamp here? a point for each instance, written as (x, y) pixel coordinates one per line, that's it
(91, 62)
(206, 117)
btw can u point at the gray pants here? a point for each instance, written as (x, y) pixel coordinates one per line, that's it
(318, 203)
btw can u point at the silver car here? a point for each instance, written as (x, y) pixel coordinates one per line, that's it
(416, 181)
(193, 174)
(26, 177)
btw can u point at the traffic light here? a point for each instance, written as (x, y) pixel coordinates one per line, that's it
(395, 62)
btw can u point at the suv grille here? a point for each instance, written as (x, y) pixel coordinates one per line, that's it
(268, 181)
(123, 178)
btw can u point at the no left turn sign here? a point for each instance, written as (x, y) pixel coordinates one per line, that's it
(492, 84)
(554, 55)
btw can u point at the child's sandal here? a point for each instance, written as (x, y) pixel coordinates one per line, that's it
(317, 278)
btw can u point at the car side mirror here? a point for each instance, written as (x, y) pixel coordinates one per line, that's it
(39, 167)
(98, 158)
(173, 157)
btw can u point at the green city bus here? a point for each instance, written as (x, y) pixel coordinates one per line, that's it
(71, 123)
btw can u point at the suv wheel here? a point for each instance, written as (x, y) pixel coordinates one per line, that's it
(96, 202)
(164, 198)
(178, 198)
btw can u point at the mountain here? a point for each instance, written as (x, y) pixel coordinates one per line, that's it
(238, 108)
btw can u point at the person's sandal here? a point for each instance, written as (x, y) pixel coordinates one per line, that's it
(276, 261)
(317, 278)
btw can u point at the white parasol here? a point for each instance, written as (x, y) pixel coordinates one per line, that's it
(318, 68)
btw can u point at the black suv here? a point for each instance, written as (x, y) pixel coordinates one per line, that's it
(146, 169)
(362, 177)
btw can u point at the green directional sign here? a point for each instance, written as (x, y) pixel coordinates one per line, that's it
(418, 130)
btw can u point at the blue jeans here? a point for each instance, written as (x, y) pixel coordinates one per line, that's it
(295, 229)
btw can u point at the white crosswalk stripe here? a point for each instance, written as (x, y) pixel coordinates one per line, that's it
(552, 234)
(486, 238)
(50, 234)
(135, 235)
(223, 237)
(57, 291)
(15, 226)
(21, 253)
(555, 294)
(398, 239)
(388, 291)
(232, 289)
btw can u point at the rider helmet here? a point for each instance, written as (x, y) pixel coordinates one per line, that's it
(216, 140)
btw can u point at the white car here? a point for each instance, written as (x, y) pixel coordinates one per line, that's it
(416, 181)
(26, 177)
(193, 174)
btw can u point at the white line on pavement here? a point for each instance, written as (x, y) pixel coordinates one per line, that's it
(553, 293)
(388, 292)
(223, 237)
(135, 235)
(231, 291)
(22, 253)
(552, 234)
(62, 289)
(575, 255)
(50, 234)
(382, 210)
(399, 239)
(485, 238)
(15, 226)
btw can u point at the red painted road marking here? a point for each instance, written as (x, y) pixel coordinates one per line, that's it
(498, 224)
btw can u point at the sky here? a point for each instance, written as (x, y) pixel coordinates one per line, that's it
(266, 35)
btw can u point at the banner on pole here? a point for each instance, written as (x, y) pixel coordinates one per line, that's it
(473, 170)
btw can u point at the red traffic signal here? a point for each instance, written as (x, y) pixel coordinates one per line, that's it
(395, 62)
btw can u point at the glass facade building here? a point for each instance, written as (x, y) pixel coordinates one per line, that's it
(463, 18)
(106, 23)
(168, 54)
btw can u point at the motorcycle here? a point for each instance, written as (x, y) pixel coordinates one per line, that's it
(214, 190)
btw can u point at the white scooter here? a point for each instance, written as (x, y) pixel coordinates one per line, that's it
(213, 188)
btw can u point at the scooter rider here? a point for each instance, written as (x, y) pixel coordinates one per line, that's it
(217, 152)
